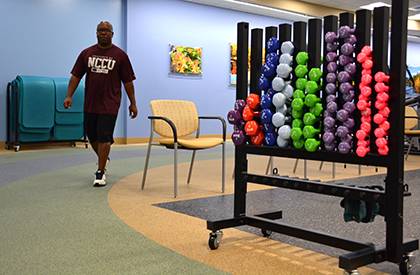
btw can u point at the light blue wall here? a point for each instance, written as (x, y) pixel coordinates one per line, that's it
(44, 37)
(152, 25)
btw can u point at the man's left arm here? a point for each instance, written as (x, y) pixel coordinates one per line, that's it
(129, 89)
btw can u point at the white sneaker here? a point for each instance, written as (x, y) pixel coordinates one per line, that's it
(99, 179)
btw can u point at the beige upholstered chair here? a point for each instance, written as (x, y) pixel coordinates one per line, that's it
(411, 122)
(175, 121)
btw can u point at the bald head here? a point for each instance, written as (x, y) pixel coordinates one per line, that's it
(104, 34)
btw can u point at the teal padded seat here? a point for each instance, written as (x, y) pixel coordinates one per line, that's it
(36, 108)
(68, 122)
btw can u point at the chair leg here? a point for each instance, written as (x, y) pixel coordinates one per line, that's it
(146, 163)
(223, 167)
(191, 167)
(175, 169)
(409, 148)
(296, 164)
(269, 165)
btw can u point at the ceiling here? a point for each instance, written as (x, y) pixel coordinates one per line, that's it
(355, 4)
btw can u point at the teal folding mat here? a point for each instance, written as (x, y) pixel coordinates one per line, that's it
(36, 107)
(68, 122)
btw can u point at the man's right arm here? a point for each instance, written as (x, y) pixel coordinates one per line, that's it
(71, 88)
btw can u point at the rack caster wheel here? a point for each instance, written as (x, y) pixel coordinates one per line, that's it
(16, 147)
(351, 272)
(406, 264)
(73, 144)
(215, 239)
(266, 233)
(86, 145)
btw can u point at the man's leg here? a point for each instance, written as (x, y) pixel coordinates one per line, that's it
(95, 148)
(102, 151)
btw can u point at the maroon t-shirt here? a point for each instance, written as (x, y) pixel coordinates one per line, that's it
(104, 69)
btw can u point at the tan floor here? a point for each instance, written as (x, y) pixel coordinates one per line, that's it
(239, 252)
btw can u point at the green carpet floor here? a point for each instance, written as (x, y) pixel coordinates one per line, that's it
(55, 222)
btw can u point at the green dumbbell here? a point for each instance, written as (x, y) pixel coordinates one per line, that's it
(297, 123)
(315, 74)
(299, 94)
(298, 144)
(311, 100)
(309, 131)
(296, 133)
(301, 83)
(297, 104)
(311, 87)
(297, 113)
(311, 144)
(301, 70)
(309, 119)
(302, 58)
(317, 109)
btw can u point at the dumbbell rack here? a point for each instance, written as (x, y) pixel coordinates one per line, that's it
(396, 249)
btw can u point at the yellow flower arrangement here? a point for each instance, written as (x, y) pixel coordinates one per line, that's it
(185, 60)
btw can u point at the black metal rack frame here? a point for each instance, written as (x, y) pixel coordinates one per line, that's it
(12, 137)
(390, 200)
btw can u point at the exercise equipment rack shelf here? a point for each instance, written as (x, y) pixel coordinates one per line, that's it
(396, 249)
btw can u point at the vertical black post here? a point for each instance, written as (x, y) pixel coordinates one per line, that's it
(395, 176)
(242, 61)
(363, 33)
(256, 59)
(347, 19)
(270, 32)
(241, 93)
(299, 36)
(380, 56)
(314, 42)
(285, 33)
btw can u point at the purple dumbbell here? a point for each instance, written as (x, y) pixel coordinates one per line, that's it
(349, 96)
(349, 123)
(347, 49)
(234, 116)
(330, 88)
(345, 87)
(331, 78)
(331, 98)
(351, 39)
(238, 137)
(239, 105)
(328, 137)
(329, 122)
(344, 147)
(348, 139)
(344, 60)
(349, 106)
(330, 147)
(350, 68)
(239, 125)
(331, 47)
(342, 131)
(345, 32)
(342, 115)
(331, 67)
(343, 76)
(332, 107)
(331, 57)
(331, 37)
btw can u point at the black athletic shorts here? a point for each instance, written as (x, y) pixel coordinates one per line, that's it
(100, 127)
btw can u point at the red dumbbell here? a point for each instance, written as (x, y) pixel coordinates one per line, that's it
(367, 50)
(361, 135)
(381, 77)
(380, 105)
(366, 91)
(385, 112)
(379, 132)
(366, 119)
(381, 142)
(379, 119)
(366, 79)
(381, 88)
(258, 138)
(362, 105)
(253, 101)
(252, 128)
(362, 151)
(385, 125)
(248, 114)
(366, 112)
(382, 97)
(365, 126)
(363, 143)
(367, 65)
(383, 150)
(366, 71)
